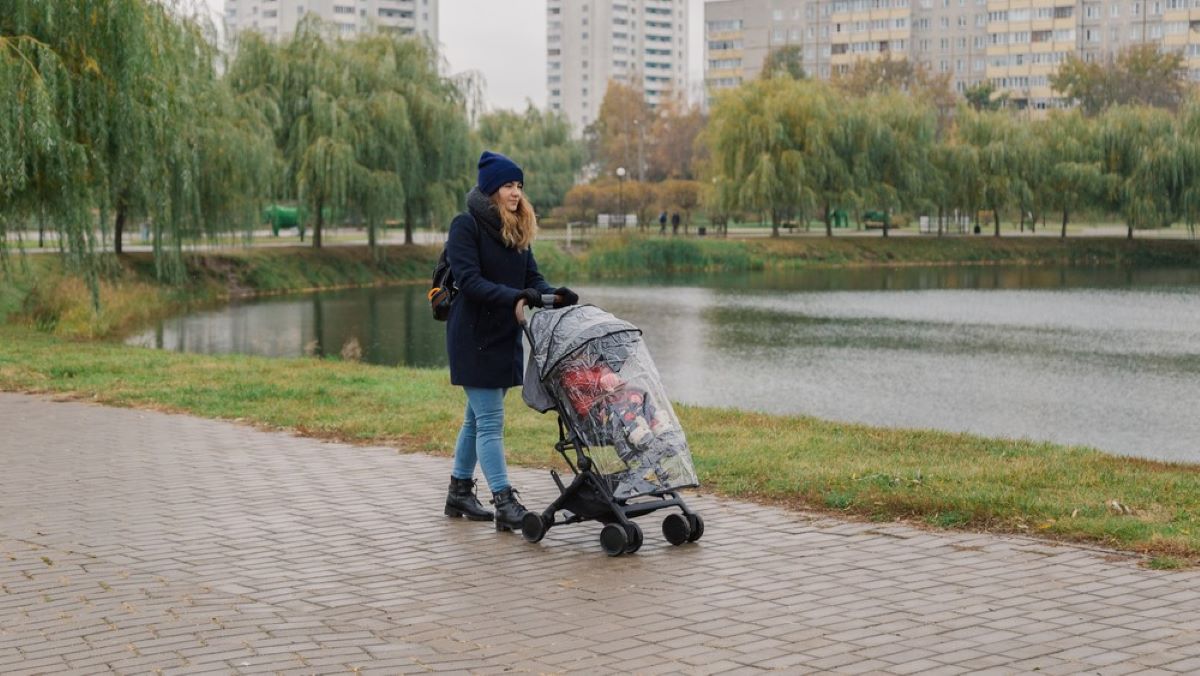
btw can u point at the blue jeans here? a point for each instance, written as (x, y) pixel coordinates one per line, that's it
(481, 438)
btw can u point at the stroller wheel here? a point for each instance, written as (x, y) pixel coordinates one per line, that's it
(613, 539)
(696, 523)
(675, 529)
(533, 527)
(634, 533)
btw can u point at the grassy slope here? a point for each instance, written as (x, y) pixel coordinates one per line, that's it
(620, 256)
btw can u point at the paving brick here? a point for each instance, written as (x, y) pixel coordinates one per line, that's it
(198, 546)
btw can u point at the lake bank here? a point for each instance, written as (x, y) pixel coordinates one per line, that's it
(37, 290)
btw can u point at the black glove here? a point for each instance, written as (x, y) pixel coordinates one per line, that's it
(531, 296)
(565, 297)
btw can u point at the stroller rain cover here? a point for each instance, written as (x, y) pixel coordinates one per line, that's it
(597, 371)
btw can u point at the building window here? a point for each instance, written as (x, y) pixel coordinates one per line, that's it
(718, 26)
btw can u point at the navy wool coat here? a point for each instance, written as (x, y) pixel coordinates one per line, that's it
(483, 338)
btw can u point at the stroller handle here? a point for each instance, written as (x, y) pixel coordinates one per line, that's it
(548, 300)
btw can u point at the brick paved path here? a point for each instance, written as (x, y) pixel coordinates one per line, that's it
(133, 541)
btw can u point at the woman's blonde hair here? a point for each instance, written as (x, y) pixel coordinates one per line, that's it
(518, 228)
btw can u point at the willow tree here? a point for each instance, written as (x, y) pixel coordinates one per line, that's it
(899, 141)
(1029, 165)
(997, 139)
(961, 166)
(541, 142)
(43, 162)
(869, 76)
(1187, 148)
(1124, 135)
(112, 108)
(1167, 177)
(1072, 175)
(366, 128)
(765, 138)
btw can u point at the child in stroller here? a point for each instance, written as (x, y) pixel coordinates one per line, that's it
(617, 429)
(624, 416)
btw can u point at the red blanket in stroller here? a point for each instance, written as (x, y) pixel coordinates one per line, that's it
(597, 393)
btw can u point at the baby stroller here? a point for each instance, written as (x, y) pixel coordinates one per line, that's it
(629, 456)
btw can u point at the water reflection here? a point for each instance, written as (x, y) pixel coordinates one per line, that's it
(391, 325)
(1104, 357)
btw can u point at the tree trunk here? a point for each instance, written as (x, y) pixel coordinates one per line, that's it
(1064, 224)
(408, 224)
(828, 222)
(119, 228)
(1129, 232)
(941, 215)
(774, 224)
(320, 225)
(372, 243)
(1022, 220)
(996, 218)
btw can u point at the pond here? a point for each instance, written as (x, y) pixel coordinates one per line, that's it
(1104, 357)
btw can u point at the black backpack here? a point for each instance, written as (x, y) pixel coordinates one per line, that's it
(442, 291)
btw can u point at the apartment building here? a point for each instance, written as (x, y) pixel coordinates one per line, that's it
(278, 18)
(1014, 44)
(947, 36)
(590, 42)
(1029, 39)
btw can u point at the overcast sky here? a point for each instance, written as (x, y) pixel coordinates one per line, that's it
(506, 41)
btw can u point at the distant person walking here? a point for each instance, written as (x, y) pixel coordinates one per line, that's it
(675, 223)
(662, 223)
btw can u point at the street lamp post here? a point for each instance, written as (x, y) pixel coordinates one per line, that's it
(621, 194)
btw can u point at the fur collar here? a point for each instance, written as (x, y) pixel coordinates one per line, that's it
(484, 212)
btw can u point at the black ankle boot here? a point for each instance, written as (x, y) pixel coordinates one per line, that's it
(461, 501)
(509, 511)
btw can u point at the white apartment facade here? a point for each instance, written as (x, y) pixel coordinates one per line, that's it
(1014, 44)
(636, 42)
(277, 19)
(946, 36)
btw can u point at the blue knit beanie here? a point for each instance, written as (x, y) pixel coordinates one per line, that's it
(495, 170)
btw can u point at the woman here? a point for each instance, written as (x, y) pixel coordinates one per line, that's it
(489, 252)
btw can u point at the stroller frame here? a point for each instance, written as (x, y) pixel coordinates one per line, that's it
(589, 498)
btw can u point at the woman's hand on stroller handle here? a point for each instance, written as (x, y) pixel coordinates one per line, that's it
(548, 300)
